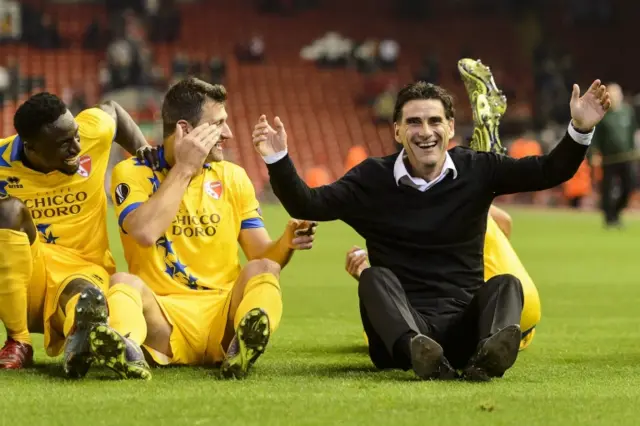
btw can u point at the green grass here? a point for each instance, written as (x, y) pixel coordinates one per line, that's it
(582, 368)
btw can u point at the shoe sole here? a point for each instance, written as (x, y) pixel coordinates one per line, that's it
(253, 336)
(496, 356)
(109, 350)
(90, 311)
(487, 103)
(427, 359)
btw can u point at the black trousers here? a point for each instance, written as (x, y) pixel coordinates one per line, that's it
(388, 317)
(612, 206)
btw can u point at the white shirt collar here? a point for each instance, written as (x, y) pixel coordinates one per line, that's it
(402, 175)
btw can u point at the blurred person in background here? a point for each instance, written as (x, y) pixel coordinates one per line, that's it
(614, 144)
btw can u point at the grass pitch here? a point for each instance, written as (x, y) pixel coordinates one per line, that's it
(582, 368)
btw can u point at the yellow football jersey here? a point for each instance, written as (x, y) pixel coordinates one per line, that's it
(499, 255)
(199, 251)
(68, 211)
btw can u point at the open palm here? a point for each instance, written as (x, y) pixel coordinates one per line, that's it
(587, 110)
(268, 140)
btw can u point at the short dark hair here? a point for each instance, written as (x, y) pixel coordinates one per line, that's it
(423, 90)
(185, 99)
(36, 112)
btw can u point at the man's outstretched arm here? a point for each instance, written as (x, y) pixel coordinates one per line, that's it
(534, 173)
(329, 202)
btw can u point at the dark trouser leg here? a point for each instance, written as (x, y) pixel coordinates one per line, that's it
(626, 175)
(499, 303)
(388, 319)
(606, 193)
(398, 333)
(498, 306)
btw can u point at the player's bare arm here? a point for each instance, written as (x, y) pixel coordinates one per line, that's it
(128, 134)
(152, 219)
(298, 235)
(502, 218)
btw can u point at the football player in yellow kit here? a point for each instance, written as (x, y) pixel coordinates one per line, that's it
(180, 228)
(55, 259)
(499, 258)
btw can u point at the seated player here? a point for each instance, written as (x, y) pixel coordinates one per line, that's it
(55, 259)
(499, 258)
(180, 228)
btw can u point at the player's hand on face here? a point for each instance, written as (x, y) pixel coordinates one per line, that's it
(300, 234)
(357, 261)
(587, 110)
(191, 149)
(269, 140)
(149, 155)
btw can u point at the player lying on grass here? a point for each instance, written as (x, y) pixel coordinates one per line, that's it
(180, 228)
(499, 258)
(53, 229)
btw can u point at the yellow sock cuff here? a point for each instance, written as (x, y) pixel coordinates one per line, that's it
(70, 314)
(126, 312)
(9, 236)
(128, 291)
(261, 291)
(264, 278)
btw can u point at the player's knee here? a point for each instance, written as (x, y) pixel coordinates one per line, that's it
(129, 280)
(14, 215)
(12, 211)
(262, 266)
(73, 288)
(506, 282)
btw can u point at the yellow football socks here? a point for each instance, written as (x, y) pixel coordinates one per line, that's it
(261, 291)
(125, 312)
(16, 266)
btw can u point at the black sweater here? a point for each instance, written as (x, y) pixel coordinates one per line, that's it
(433, 241)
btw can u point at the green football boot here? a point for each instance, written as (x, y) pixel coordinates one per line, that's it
(488, 104)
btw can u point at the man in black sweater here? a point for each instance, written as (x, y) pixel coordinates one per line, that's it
(423, 214)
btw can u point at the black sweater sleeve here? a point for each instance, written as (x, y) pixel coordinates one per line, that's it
(325, 203)
(534, 173)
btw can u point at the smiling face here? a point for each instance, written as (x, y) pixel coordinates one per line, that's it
(56, 146)
(424, 132)
(215, 114)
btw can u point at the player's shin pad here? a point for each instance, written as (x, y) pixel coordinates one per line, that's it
(15, 274)
(488, 104)
(125, 312)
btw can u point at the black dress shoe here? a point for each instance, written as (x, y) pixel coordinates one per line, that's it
(495, 355)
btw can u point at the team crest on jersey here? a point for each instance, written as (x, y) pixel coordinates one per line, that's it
(85, 166)
(122, 192)
(214, 189)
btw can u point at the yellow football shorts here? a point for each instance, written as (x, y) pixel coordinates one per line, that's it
(53, 268)
(531, 313)
(199, 321)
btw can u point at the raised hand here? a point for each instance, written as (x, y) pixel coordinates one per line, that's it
(269, 140)
(587, 110)
(191, 149)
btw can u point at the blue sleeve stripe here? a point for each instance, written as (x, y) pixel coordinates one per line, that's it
(125, 213)
(256, 222)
